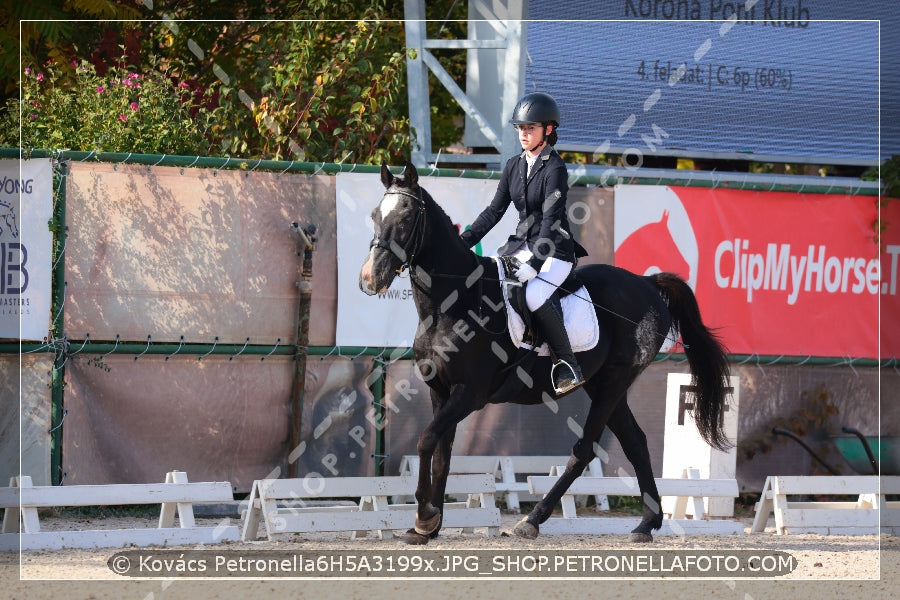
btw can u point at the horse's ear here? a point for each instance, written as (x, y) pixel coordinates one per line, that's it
(386, 178)
(411, 175)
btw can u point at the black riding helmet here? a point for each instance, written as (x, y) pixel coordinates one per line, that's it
(536, 107)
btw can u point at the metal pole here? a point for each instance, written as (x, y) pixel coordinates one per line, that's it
(377, 388)
(417, 82)
(513, 76)
(307, 241)
(59, 298)
(168, 348)
(349, 352)
(578, 174)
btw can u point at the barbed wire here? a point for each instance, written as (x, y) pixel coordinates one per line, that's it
(758, 182)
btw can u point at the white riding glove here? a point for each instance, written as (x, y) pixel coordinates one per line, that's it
(525, 273)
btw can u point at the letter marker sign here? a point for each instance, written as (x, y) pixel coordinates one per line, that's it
(684, 449)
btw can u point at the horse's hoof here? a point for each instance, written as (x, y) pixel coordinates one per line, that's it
(414, 538)
(641, 538)
(428, 526)
(526, 530)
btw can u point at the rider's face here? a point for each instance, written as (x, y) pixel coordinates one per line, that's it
(531, 134)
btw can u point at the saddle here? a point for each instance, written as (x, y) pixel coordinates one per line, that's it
(578, 310)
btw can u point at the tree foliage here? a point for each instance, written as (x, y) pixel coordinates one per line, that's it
(49, 30)
(332, 90)
(118, 111)
(307, 80)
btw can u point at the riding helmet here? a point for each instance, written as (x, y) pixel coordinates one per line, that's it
(536, 107)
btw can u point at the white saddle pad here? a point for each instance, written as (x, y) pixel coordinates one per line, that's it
(578, 315)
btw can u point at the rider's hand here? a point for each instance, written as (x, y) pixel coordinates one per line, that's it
(525, 273)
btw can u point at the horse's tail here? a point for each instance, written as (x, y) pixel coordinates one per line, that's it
(705, 354)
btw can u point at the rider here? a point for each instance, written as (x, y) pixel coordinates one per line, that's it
(536, 182)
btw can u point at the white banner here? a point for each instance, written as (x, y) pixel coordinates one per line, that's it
(26, 206)
(389, 319)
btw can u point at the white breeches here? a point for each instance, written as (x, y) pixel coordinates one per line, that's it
(554, 271)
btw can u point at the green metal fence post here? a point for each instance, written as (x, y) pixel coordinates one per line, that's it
(377, 387)
(57, 376)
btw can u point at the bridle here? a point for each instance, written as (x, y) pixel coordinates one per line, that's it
(414, 246)
(416, 237)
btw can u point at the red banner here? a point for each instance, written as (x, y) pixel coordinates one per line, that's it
(890, 301)
(776, 273)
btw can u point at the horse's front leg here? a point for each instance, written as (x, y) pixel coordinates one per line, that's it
(434, 450)
(431, 506)
(440, 470)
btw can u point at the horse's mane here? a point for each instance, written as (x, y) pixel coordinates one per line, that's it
(440, 216)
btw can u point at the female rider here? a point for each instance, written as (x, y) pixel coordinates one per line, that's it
(536, 182)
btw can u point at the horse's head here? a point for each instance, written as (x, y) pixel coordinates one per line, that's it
(399, 223)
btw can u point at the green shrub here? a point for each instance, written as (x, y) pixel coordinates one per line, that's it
(72, 107)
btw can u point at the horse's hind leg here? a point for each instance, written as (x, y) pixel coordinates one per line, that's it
(634, 443)
(604, 397)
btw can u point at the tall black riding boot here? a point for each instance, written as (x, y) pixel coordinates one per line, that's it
(566, 373)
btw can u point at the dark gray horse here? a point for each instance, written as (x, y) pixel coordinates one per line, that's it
(464, 352)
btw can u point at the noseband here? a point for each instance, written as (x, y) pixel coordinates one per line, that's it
(416, 237)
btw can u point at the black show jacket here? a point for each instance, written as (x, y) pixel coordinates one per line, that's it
(541, 201)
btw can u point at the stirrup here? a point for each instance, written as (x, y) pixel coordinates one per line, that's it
(565, 383)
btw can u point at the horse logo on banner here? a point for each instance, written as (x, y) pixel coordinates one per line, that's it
(8, 219)
(652, 249)
(656, 235)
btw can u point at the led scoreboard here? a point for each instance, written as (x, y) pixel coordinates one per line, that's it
(771, 80)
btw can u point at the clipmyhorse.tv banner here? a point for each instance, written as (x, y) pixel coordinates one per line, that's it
(26, 206)
(775, 273)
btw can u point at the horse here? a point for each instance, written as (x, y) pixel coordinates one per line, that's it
(464, 352)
